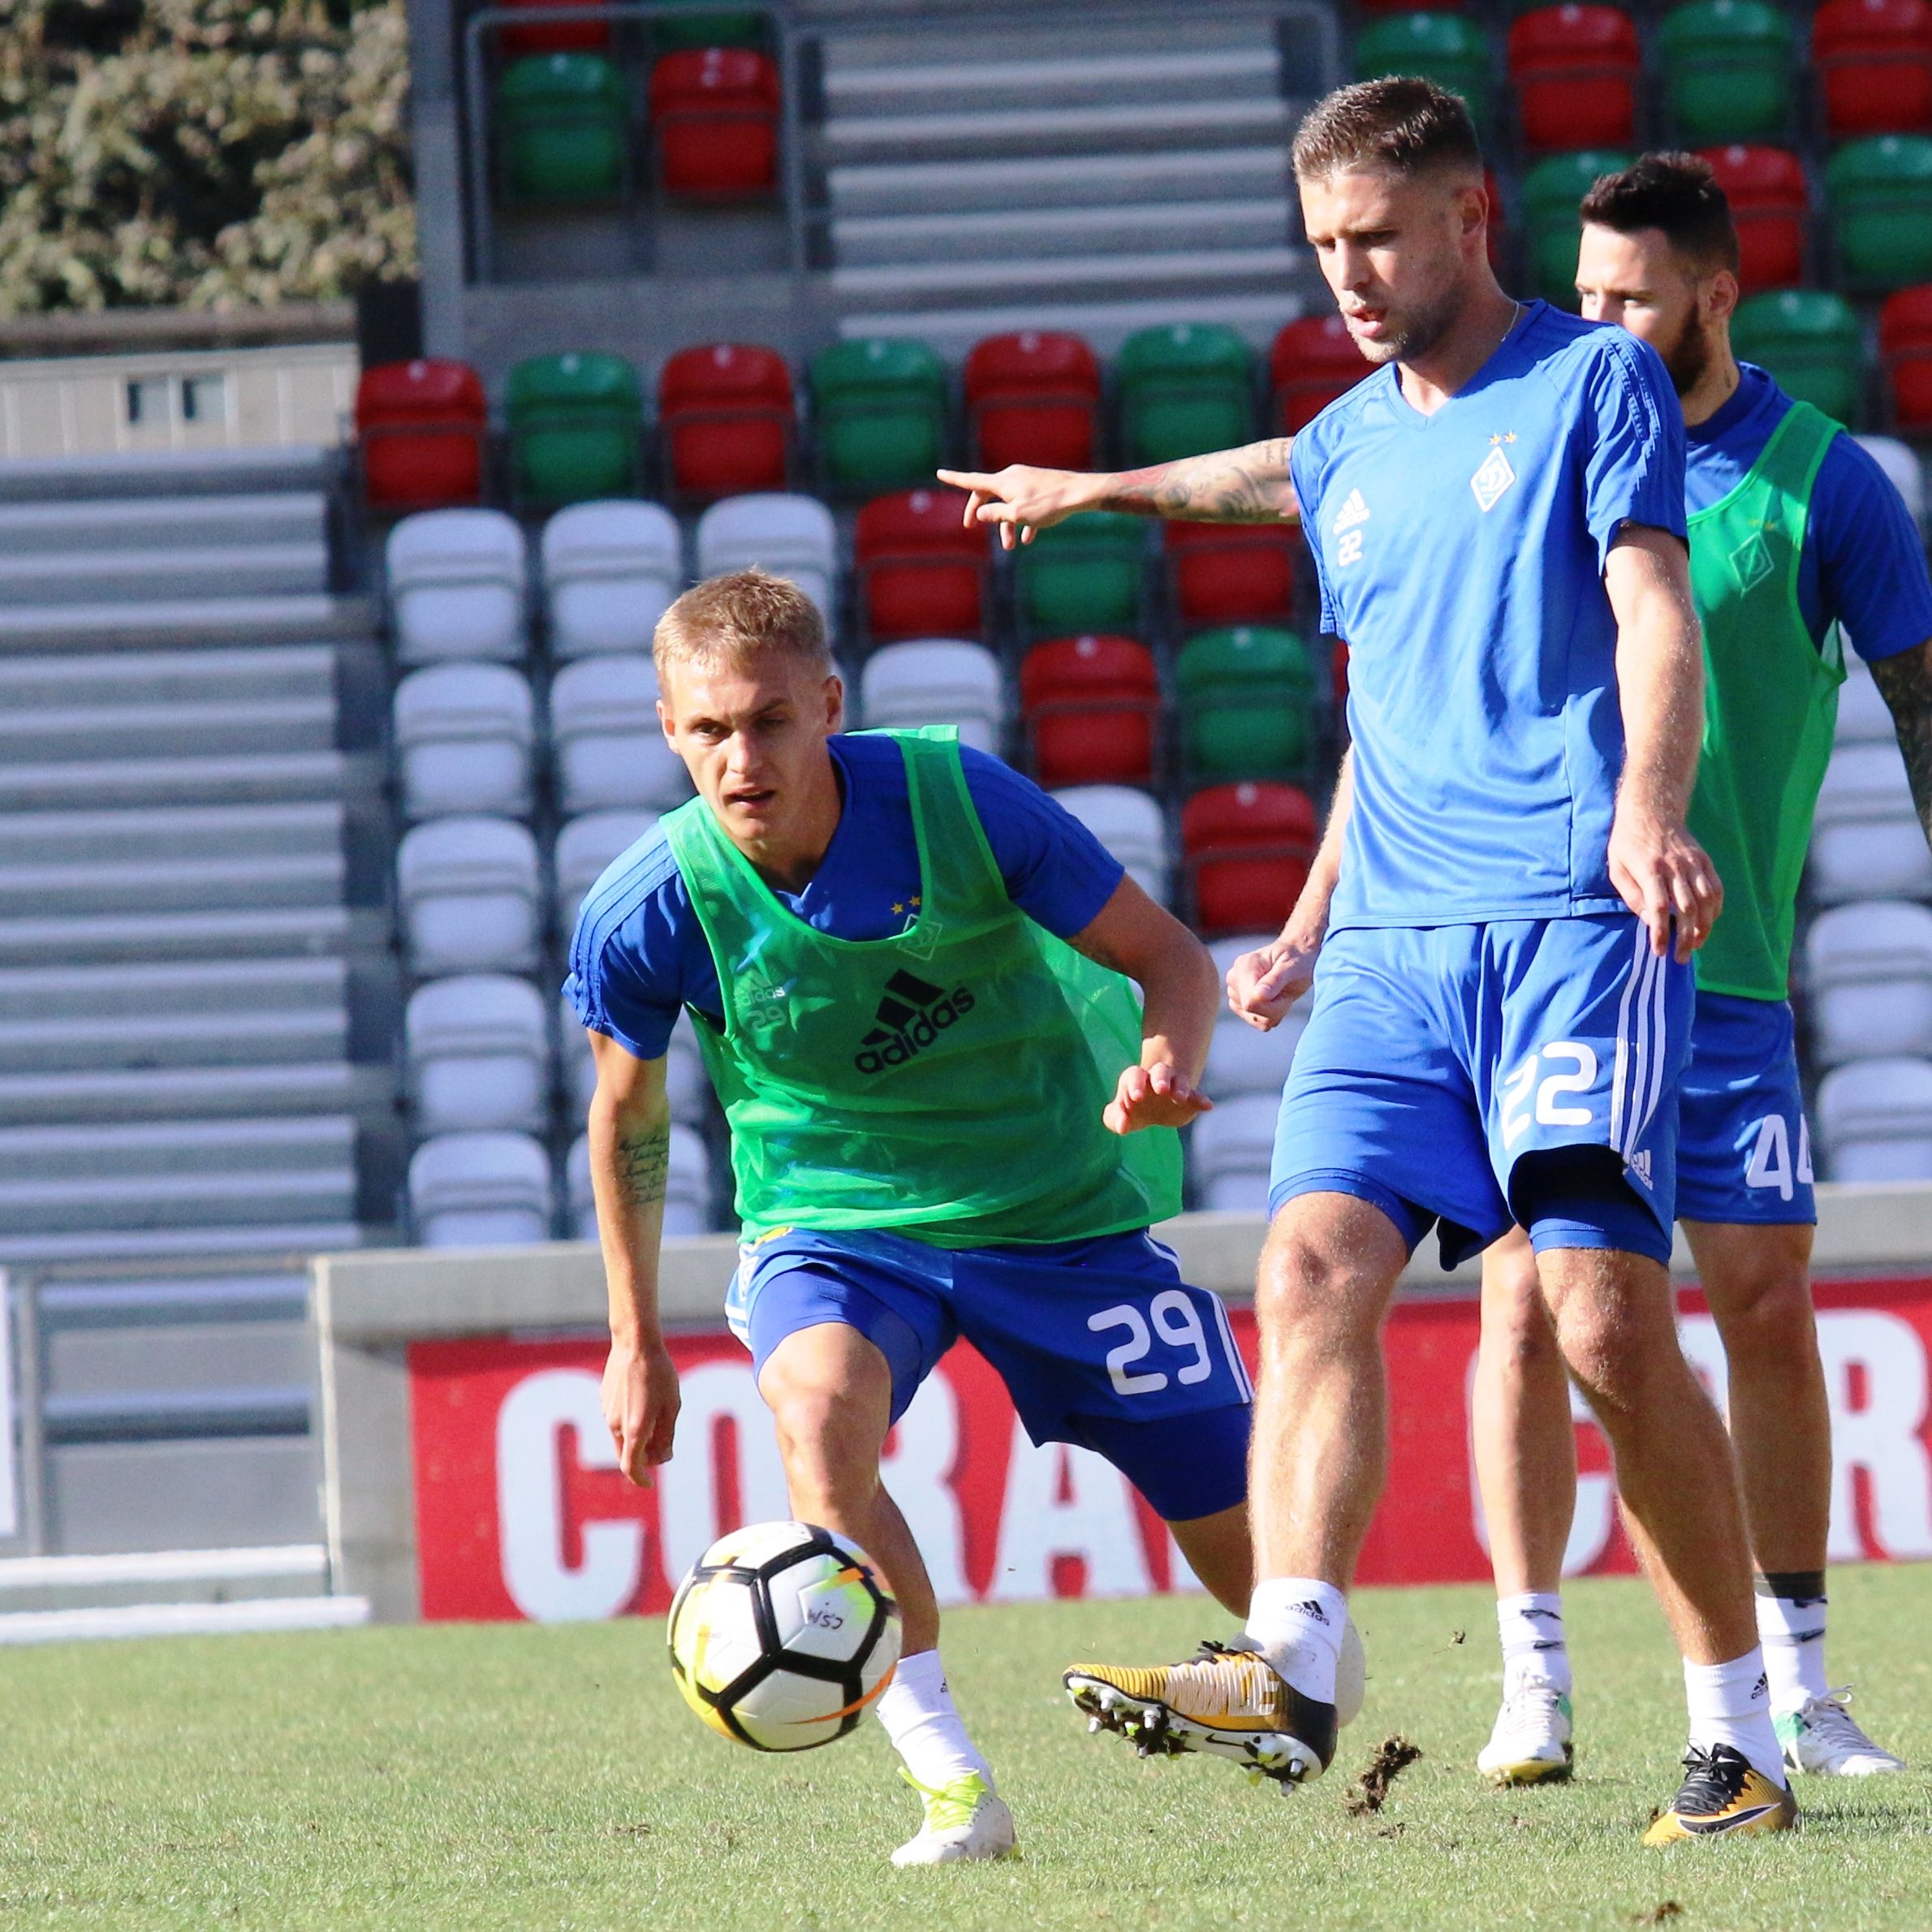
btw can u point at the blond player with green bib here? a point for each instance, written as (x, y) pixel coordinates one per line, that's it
(913, 978)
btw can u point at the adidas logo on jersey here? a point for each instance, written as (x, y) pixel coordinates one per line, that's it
(1352, 512)
(912, 1013)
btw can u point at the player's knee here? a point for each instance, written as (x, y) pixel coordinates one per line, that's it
(1611, 1349)
(826, 1440)
(1516, 1326)
(1770, 1324)
(1309, 1288)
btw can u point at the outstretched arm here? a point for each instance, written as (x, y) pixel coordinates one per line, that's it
(1247, 486)
(1905, 683)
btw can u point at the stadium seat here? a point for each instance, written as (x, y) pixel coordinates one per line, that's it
(608, 746)
(576, 424)
(1229, 1151)
(1576, 68)
(1880, 190)
(563, 130)
(1182, 390)
(1770, 201)
(686, 1186)
(935, 680)
(1083, 575)
(1902, 472)
(1314, 360)
(480, 1190)
(1905, 346)
(1873, 58)
(687, 1086)
(552, 37)
(1868, 968)
(670, 30)
(1247, 700)
(792, 537)
(1552, 191)
(1442, 47)
(1241, 1060)
(920, 571)
(725, 417)
(1729, 71)
(1130, 825)
(421, 431)
(1875, 1120)
(1231, 573)
(585, 847)
(714, 118)
(470, 896)
(1092, 706)
(1033, 398)
(878, 414)
(1247, 848)
(1866, 841)
(464, 736)
(1810, 341)
(477, 1052)
(456, 585)
(610, 571)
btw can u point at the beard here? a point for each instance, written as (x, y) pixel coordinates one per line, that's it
(1688, 357)
(1420, 331)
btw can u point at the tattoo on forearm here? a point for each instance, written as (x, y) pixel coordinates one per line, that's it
(1247, 486)
(643, 1163)
(1905, 683)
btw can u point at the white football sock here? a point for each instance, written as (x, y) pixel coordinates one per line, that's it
(1792, 1629)
(916, 1708)
(1730, 1704)
(1533, 1646)
(1295, 1622)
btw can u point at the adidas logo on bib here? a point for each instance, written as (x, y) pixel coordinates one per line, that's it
(912, 1013)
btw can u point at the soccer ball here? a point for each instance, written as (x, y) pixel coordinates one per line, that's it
(781, 1635)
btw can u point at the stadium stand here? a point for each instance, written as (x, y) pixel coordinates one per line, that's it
(878, 415)
(1576, 70)
(1770, 201)
(1730, 73)
(1092, 707)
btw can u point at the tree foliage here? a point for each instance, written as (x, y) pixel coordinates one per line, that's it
(218, 154)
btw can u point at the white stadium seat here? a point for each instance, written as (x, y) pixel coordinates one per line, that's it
(472, 896)
(484, 1190)
(1241, 1060)
(477, 1048)
(1229, 1151)
(1129, 824)
(1867, 843)
(1901, 467)
(935, 680)
(605, 738)
(585, 847)
(610, 571)
(687, 1085)
(1869, 966)
(1863, 717)
(1875, 1120)
(464, 734)
(790, 535)
(457, 587)
(687, 1191)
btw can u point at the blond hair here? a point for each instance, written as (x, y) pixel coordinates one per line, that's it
(742, 618)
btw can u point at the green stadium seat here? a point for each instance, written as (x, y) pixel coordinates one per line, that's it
(878, 414)
(1729, 71)
(1552, 191)
(576, 430)
(1247, 705)
(1880, 190)
(1083, 576)
(1446, 48)
(1810, 341)
(562, 129)
(672, 33)
(1183, 389)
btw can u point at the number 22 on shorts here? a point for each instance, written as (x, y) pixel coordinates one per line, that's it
(1574, 1066)
(1177, 1321)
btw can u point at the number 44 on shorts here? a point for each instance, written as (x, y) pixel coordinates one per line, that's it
(1770, 1165)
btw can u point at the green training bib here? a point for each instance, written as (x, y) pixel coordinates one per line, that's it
(946, 1083)
(1771, 701)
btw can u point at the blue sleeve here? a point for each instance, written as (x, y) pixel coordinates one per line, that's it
(1056, 871)
(1634, 473)
(1302, 457)
(1871, 566)
(627, 956)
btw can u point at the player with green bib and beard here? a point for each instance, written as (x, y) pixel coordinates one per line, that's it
(912, 978)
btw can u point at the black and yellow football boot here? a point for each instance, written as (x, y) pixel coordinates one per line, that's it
(1721, 1794)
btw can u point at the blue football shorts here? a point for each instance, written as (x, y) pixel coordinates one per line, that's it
(1436, 1059)
(1743, 1151)
(1099, 1343)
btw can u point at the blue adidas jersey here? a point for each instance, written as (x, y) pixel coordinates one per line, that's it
(1460, 557)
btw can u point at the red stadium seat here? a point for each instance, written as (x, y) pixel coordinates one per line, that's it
(1874, 58)
(715, 113)
(1314, 361)
(1231, 573)
(421, 428)
(921, 572)
(1091, 706)
(1905, 344)
(1247, 849)
(1033, 398)
(1575, 69)
(1770, 201)
(725, 415)
(561, 37)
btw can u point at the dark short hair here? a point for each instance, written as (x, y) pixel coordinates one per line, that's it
(1677, 194)
(1400, 122)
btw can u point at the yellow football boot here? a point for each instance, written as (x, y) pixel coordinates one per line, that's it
(1721, 1794)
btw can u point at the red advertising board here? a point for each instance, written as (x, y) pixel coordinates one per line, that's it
(520, 1512)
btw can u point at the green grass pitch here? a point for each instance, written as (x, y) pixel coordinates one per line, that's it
(499, 1777)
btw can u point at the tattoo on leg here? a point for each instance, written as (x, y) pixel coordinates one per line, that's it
(642, 1164)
